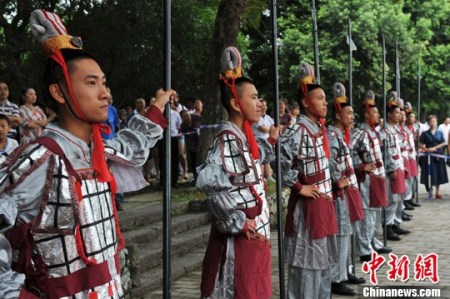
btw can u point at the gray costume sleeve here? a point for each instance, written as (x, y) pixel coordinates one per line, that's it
(289, 149)
(266, 150)
(22, 202)
(334, 149)
(213, 180)
(136, 141)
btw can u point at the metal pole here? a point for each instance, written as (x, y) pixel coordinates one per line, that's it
(350, 97)
(316, 42)
(384, 148)
(418, 93)
(397, 70)
(273, 13)
(417, 142)
(350, 67)
(167, 222)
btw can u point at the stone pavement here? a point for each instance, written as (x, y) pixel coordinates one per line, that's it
(430, 228)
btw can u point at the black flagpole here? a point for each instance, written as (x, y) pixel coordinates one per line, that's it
(167, 291)
(350, 67)
(418, 92)
(277, 150)
(384, 115)
(350, 97)
(397, 70)
(316, 42)
(417, 140)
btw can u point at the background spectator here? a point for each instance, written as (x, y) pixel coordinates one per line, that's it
(33, 118)
(10, 110)
(445, 128)
(122, 118)
(432, 141)
(139, 108)
(7, 145)
(285, 116)
(261, 130)
(190, 129)
(295, 111)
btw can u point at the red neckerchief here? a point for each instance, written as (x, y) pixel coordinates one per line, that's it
(252, 144)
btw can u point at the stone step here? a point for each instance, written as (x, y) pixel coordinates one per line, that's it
(153, 279)
(154, 231)
(151, 254)
(136, 215)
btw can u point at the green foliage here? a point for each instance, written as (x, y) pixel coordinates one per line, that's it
(127, 38)
(420, 28)
(187, 194)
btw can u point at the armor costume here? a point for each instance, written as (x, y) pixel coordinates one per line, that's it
(237, 261)
(394, 164)
(410, 132)
(40, 207)
(57, 206)
(234, 188)
(372, 185)
(310, 223)
(347, 201)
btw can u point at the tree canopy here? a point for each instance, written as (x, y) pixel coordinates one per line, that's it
(127, 39)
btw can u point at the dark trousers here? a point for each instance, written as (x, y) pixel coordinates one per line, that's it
(175, 161)
(193, 162)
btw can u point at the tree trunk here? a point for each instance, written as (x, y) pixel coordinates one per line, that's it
(227, 25)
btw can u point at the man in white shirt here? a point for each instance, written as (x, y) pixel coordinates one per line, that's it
(175, 124)
(445, 128)
(261, 130)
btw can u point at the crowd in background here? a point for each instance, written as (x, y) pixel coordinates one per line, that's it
(25, 121)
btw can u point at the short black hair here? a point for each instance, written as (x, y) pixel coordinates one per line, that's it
(335, 110)
(5, 118)
(225, 91)
(391, 109)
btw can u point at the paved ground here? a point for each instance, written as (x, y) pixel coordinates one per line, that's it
(430, 229)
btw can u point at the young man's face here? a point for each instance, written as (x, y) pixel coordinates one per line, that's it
(250, 103)
(317, 104)
(4, 129)
(347, 116)
(89, 88)
(4, 92)
(394, 116)
(402, 116)
(411, 118)
(373, 115)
